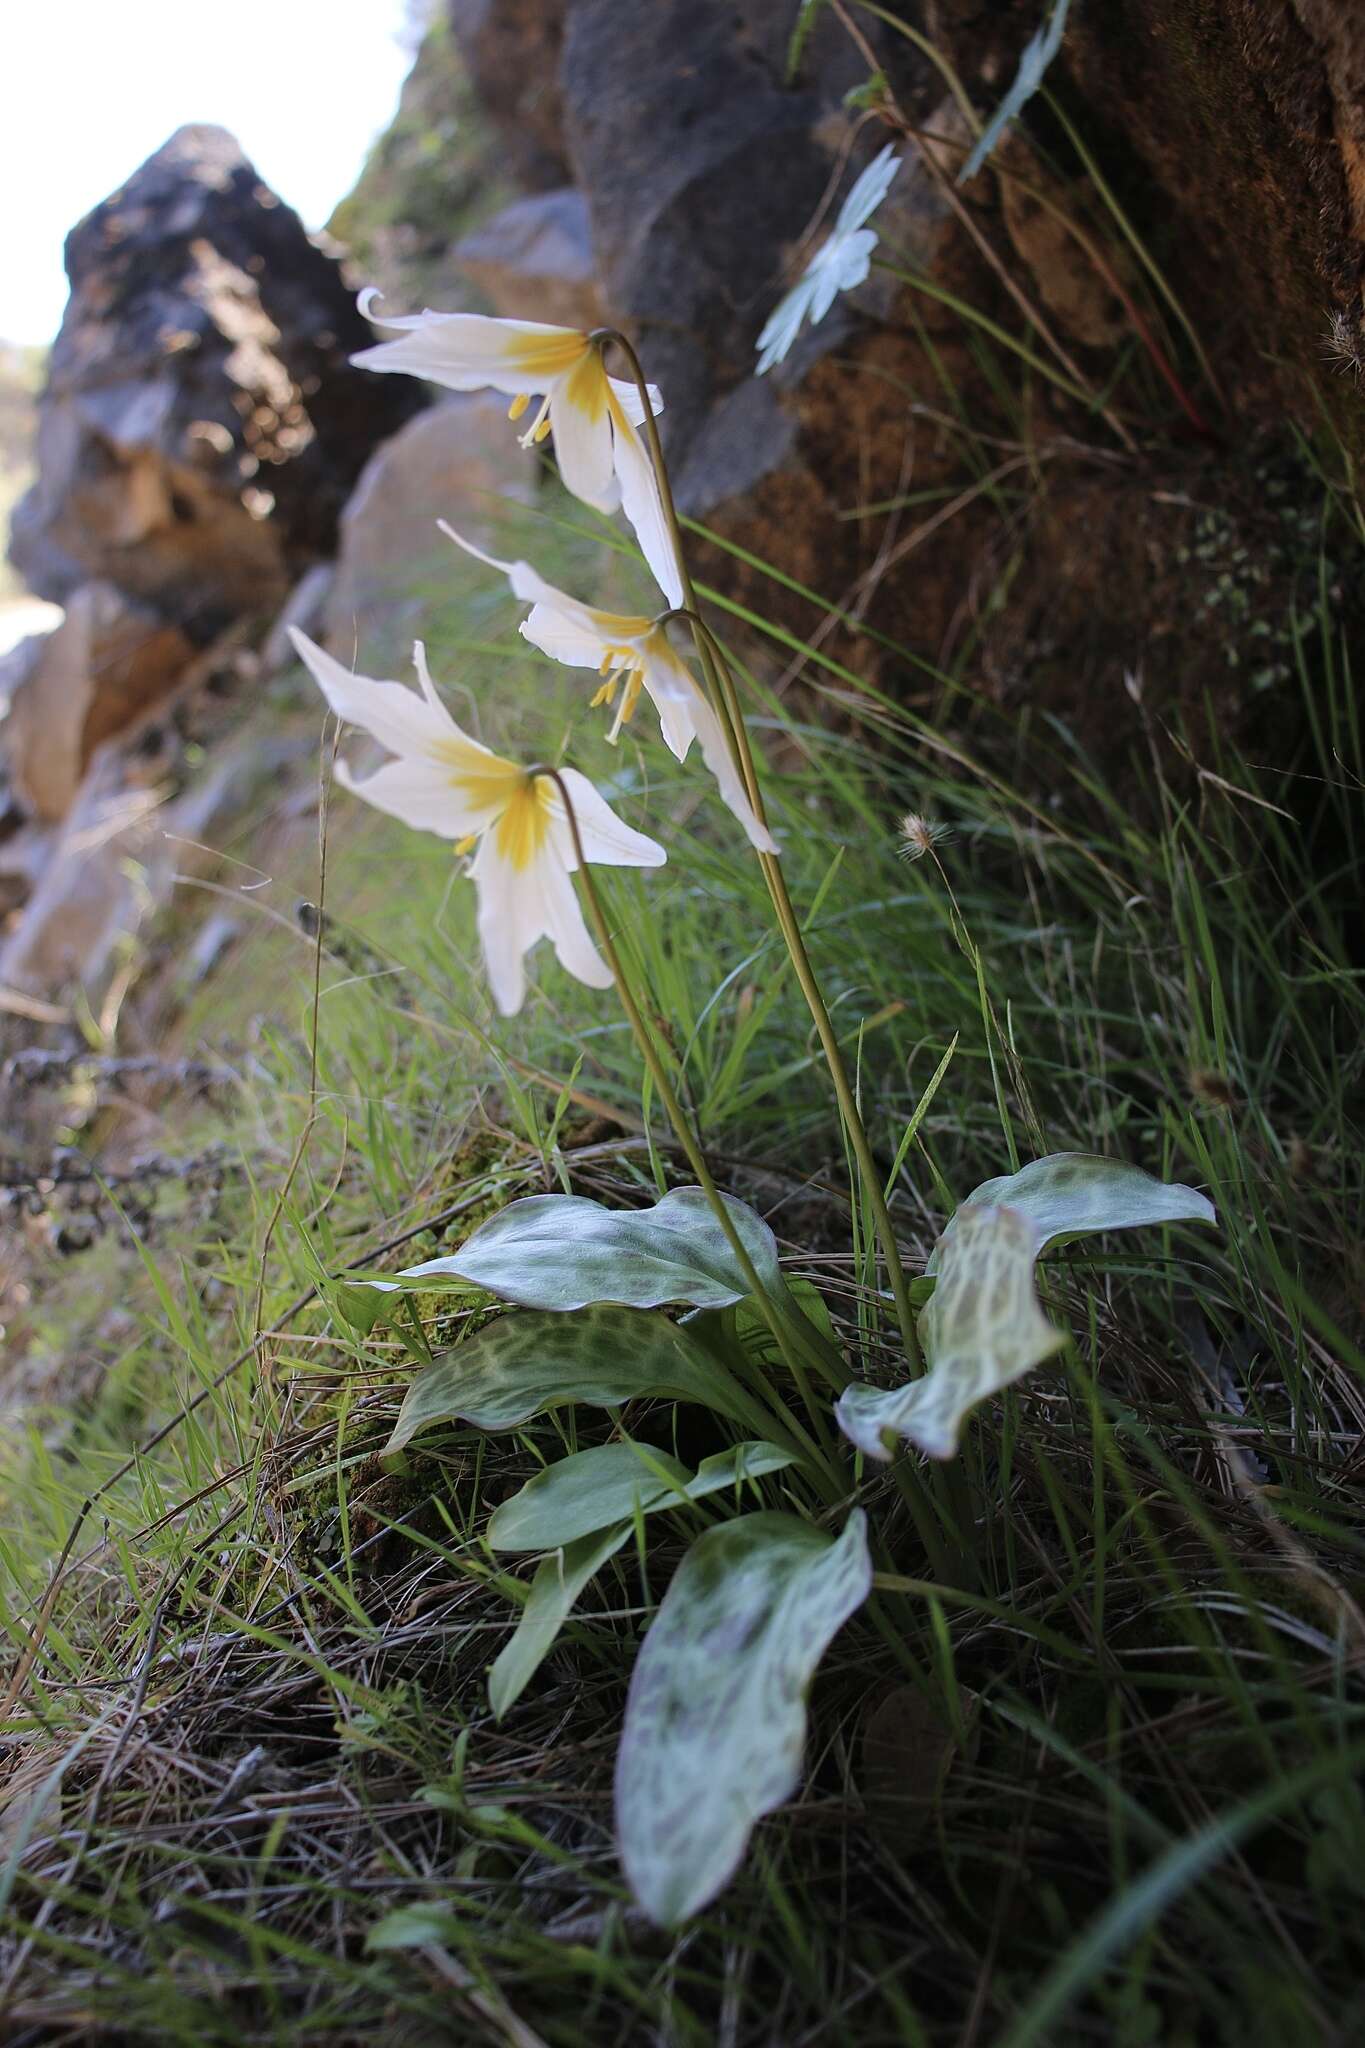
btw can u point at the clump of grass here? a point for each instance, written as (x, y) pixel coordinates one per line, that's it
(255, 1791)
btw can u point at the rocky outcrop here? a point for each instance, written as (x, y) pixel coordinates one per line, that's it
(200, 429)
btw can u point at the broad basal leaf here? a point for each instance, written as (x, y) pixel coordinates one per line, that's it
(612, 1483)
(565, 1252)
(982, 1330)
(716, 1716)
(1071, 1194)
(522, 1365)
(588, 1503)
(559, 1580)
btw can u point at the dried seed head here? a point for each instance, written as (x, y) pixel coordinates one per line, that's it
(1213, 1089)
(919, 836)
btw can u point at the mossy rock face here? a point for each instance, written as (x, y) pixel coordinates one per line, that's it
(434, 175)
(1250, 119)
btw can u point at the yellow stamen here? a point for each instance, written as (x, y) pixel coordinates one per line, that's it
(518, 405)
(540, 425)
(606, 693)
(630, 697)
(467, 844)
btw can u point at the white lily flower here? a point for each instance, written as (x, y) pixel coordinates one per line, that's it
(630, 654)
(443, 781)
(593, 417)
(841, 263)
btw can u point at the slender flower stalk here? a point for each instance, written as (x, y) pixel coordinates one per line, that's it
(791, 1339)
(722, 684)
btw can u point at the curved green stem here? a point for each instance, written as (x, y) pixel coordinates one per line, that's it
(784, 1334)
(722, 685)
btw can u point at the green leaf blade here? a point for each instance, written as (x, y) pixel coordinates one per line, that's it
(563, 1252)
(983, 1329)
(1073, 1194)
(520, 1366)
(559, 1580)
(612, 1483)
(716, 1718)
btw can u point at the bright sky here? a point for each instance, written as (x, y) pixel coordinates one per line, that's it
(88, 89)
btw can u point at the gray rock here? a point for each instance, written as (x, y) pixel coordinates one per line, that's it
(534, 260)
(201, 428)
(454, 462)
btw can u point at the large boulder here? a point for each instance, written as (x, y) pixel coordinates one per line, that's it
(201, 428)
(457, 461)
(534, 260)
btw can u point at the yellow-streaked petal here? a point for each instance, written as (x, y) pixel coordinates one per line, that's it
(474, 351)
(418, 793)
(577, 634)
(524, 824)
(642, 503)
(583, 435)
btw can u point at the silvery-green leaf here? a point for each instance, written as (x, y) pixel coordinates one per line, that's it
(425, 1923)
(613, 1482)
(716, 1716)
(1071, 1194)
(564, 1252)
(982, 1330)
(559, 1580)
(522, 1365)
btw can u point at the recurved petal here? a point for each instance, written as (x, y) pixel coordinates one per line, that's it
(559, 625)
(643, 505)
(715, 751)
(398, 718)
(474, 352)
(628, 392)
(606, 838)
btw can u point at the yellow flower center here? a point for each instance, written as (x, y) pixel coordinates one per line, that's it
(542, 357)
(520, 832)
(586, 388)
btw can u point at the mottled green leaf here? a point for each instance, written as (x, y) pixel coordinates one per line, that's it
(982, 1330)
(564, 1252)
(522, 1365)
(716, 1716)
(612, 1483)
(1072, 1194)
(424, 1924)
(559, 1580)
